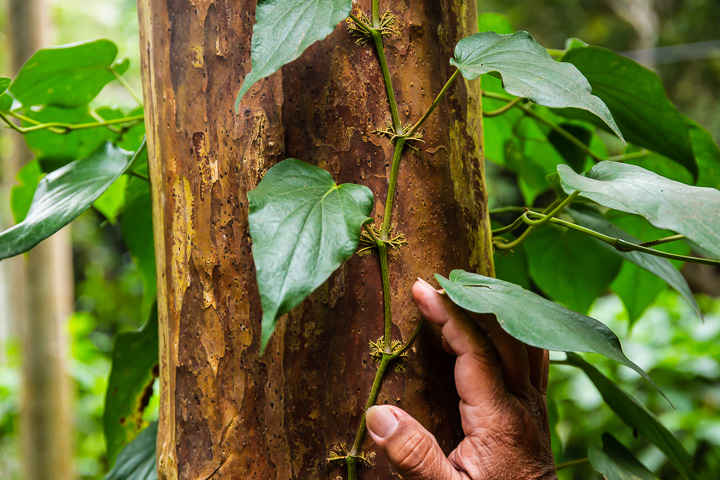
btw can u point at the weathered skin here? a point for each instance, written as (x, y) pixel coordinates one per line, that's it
(227, 412)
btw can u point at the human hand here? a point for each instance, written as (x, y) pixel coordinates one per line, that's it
(502, 384)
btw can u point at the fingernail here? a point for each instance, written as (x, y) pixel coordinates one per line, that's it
(425, 284)
(381, 421)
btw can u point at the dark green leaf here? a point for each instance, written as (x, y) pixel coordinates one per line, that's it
(63, 195)
(637, 416)
(637, 288)
(532, 319)
(573, 155)
(130, 386)
(615, 462)
(22, 193)
(55, 150)
(137, 231)
(528, 71)
(658, 266)
(570, 267)
(303, 227)
(284, 29)
(137, 460)
(691, 211)
(707, 155)
(111, 202)
(637, 100)
(4, 83)
(66, 75)
(512, 266)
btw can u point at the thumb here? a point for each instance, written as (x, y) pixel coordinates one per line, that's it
(411, 449)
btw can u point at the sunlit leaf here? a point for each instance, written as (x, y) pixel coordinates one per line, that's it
(66, 75)
(528, 71)
(63, 195)
(284, 29)
(22, 192)
(303, 227)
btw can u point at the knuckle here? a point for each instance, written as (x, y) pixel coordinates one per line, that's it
(415, 455)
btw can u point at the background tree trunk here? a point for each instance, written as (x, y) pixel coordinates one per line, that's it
(227, 412)
(42, 293)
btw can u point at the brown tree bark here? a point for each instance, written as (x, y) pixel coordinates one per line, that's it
(226, 411)
(43, 299)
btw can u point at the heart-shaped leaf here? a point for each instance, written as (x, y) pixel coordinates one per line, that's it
(137, 460)
(658, 266)
(691, 211)
(615, 462)
(638, 102)
(303, 227)
(284, 29)
(66, 75)
(528, 71)
(637, 416)
(63, 195)
(533, 319)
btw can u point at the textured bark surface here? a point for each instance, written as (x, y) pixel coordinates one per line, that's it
(227, 412)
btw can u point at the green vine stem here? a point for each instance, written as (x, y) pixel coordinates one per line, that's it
(435, 103)
(390, 200)
(126, 86)
(62, 128)
(387, 359)
(617, 243)
(508, 106)
(571, 463)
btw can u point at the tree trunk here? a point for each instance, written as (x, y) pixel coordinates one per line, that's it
(226, 411)
(43, 296)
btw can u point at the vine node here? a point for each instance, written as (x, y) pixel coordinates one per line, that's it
(361, 30)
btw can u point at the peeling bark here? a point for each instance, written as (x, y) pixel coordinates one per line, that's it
(227, 412)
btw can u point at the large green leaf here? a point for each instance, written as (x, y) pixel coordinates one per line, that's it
(130, 386)
(63, 195)
(615, 462)
(533, 319)
(707, 155)
(66, 75)
(284, 29)
(527, 70)
(55, 150)
(137, 460)
(658, 266)
(570, 267)
(137, 231)
(22, 192)
(637, 416)
(691, 211)
(303, 227)
(638, 102)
